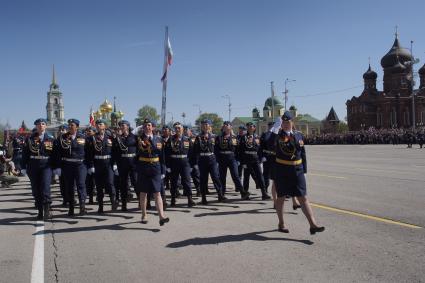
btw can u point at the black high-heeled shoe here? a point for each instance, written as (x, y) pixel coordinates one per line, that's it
(282, 229)
(313, 230)
(163, 221)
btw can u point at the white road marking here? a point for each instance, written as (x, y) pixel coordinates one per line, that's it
(37, 273)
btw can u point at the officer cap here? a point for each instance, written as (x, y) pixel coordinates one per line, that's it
(100, 121)
(91, 129)
(242, 127)
(250, 124)
(166, 127)
(206, 121)
(75, 121)
(185, 127)
(40, 120)
(287, 116)
(124, 122)
(227, 123)
(147, 121)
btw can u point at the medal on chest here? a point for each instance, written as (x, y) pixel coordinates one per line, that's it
(287, 145)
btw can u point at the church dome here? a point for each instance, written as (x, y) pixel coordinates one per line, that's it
(390, 59)
(273, 101)
(370, 74)
(106, 107)
(398, 67)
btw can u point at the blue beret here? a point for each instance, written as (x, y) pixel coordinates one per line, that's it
(166, 127)
(91, 129)
(100, 121)
(124, 122)
(227, 123)
(242, 127)
(40, 120)
(75, 121)
(250, 124)
(287, 116)
(206, 121)
(63, 127)
(185, 127)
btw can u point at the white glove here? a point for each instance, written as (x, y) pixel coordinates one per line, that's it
(57, 172)
(24, 171)
(244, 166)
(196, 167)
(162, 176)
(263, 159)
(114, 167)
(169, 170)
(91, 170)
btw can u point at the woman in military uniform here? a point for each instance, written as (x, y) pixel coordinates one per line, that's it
(150, 170)
(289, 169)
(38, 162)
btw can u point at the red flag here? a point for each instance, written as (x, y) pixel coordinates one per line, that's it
(92, 122)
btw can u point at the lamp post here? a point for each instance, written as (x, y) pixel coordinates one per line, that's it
(229, 104)
(286, 90)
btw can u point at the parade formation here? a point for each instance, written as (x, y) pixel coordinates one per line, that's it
(109, 161)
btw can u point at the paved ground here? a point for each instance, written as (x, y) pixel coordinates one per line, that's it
(357, 190)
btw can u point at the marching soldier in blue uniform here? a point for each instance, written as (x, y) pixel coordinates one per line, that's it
(101, 163)
(250, 158)
(18, 144)
(194, 170)
(289, 169)
(70, 151)
(240, 135)
(90, 182)
(226, 149)
(62, 186)
(150, 170)
(268, 155)
(125, 147)
(177, 149)
(38, 161)
(204, 154)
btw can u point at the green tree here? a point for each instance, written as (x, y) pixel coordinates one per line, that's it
(217, 121)
(2, 127)
(146, 112)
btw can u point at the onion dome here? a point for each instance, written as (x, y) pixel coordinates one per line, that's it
(398, 67)
(273, 101)
(106, 107)
(370, 74)
(421, 71)
(390, 59)
(292, 108)
(266, 108)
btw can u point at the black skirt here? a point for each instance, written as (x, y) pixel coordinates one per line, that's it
(289, 180)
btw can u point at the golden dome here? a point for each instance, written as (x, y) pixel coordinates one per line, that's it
(98, 113)
(106, 107)
(120, 114)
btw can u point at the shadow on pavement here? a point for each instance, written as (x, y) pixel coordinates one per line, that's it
(253, 236)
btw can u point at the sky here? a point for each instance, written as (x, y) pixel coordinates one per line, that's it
(106, 48)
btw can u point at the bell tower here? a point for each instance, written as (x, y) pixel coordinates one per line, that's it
(54, 107)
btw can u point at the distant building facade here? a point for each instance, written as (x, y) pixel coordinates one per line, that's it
(273, 107)
(392, 107)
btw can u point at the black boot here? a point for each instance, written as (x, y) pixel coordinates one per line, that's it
(71, 210)
(91, 200)
(198, 192)
(190, 201)
(265, 195)
(47, 212)
(124, 205)
(221, 198)
(82, 208)
(114, 203)
(204, 199)
(40, 213)
(100, 209)
(173, 202)
(245, 195)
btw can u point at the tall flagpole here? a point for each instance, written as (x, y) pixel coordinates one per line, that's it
(164, 82)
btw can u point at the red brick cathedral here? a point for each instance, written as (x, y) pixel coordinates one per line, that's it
(392, 107)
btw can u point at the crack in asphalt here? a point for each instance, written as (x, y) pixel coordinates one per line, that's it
(55, 253)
